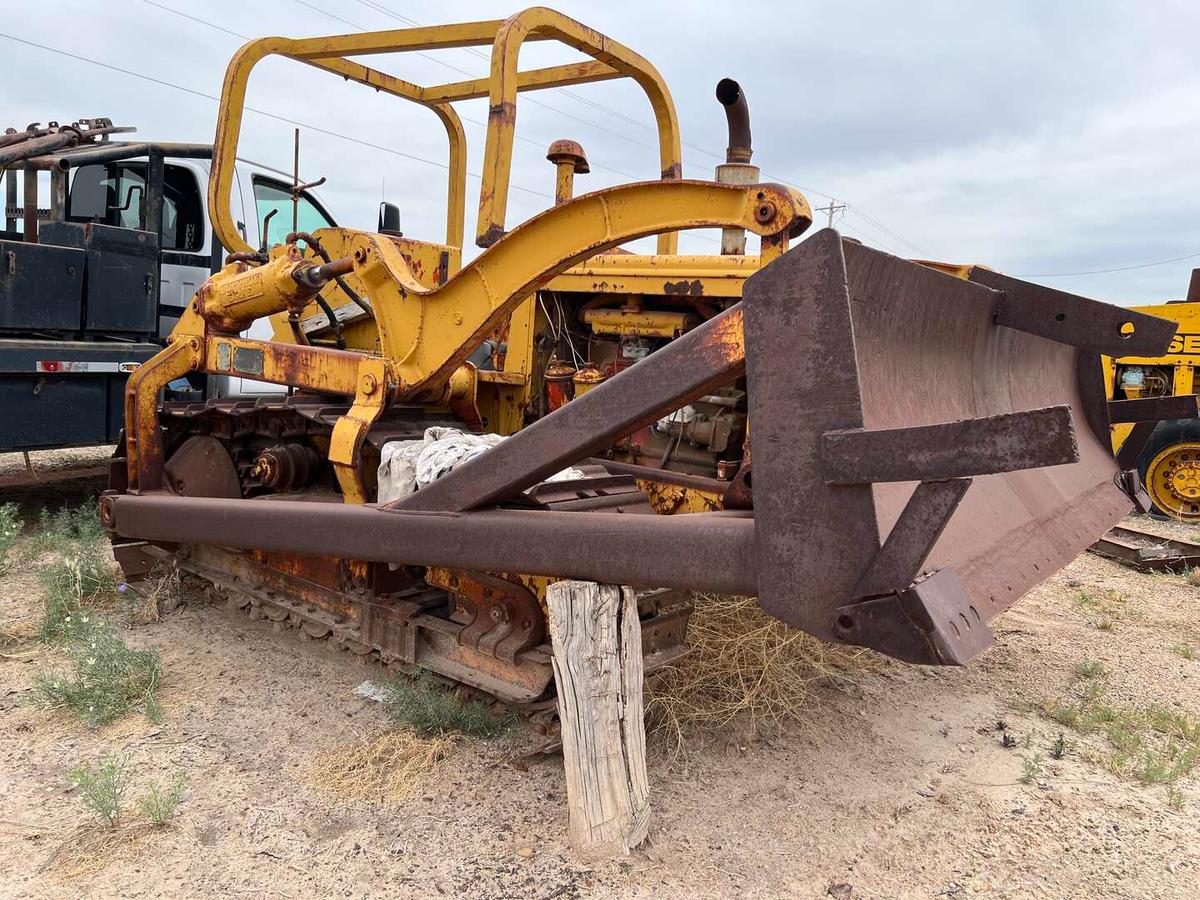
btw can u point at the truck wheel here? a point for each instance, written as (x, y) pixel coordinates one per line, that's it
(1170, 469)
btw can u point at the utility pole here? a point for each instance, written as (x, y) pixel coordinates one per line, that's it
(833, 207)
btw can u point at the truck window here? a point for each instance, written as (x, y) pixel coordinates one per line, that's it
(274, 195)
(112, 194)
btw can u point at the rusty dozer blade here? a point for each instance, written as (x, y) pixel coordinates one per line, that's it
(926, 449)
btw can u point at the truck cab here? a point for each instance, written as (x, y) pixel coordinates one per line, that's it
(93, 280)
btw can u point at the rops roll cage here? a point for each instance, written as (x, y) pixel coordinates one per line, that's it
(609, 60)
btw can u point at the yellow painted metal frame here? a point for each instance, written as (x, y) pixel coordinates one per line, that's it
(506, 36)
(425, 333)
(425, 324)
(1181, 357)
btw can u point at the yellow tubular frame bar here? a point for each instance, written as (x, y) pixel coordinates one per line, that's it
(609, 60)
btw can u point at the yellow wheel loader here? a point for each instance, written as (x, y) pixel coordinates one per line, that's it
(928, 442)
(1165, 452)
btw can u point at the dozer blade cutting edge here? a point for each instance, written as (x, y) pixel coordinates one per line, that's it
(926, 449)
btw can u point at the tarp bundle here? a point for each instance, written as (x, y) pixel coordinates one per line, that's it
(408, 466)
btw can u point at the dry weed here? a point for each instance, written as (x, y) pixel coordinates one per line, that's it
(743, 668)
(384, 768)
(18, 638)
(149, 599)
(89, 848)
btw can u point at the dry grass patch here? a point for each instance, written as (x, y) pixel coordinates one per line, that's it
(383, 768)
(1104, 609)
(89, 849)
(744, 668)
(19, 639)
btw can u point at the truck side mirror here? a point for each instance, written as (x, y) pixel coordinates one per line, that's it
(389, 219)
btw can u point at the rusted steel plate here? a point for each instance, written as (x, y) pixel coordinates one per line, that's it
(694, 364)
(1074, 320)
(900, 558)
(1147, 552)
(704, 551)
(813, 540)
(842, 337)
(1001, 443)
(1154, 409)
(202, 468)
(931, 622)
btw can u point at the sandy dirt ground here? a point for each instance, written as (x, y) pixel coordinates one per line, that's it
(897, 785)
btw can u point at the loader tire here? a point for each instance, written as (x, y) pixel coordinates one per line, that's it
(1170, 469)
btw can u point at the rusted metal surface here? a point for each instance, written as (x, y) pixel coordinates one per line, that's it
(315, 583)
(287, 467)
(670, 499)
(137, 559)
(201, 467)
(876, 343)
(599, 490)
(863, 370)
(663, 476)
(569, 160)
(737, 118)
(931, 622)
(690, 366)
(503, 616)
(1154, 409)
(409, 624)
(1074, 320)
(1147, 552)
(706, 551)
(559, 388)
(907, 547)
(21, 146)
(1001, 443)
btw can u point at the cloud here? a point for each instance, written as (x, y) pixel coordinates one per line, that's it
(1039, 138)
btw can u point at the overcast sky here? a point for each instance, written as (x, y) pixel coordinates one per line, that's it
(1038, 138)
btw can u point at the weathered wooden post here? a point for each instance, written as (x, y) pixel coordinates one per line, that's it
(597, 644)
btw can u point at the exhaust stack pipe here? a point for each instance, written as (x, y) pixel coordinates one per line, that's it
(737, 115)
(736, 169)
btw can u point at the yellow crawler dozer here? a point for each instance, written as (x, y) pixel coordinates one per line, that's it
(927, 445)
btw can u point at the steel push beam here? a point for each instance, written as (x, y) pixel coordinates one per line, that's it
(918, 463)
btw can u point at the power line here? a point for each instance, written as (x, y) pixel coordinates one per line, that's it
(1161, 262)
(260, 112)
(345, 21)
(862, 215)
(178, 12)
(439, 60)
(335, 134)
(472, 75)
(474, 51)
